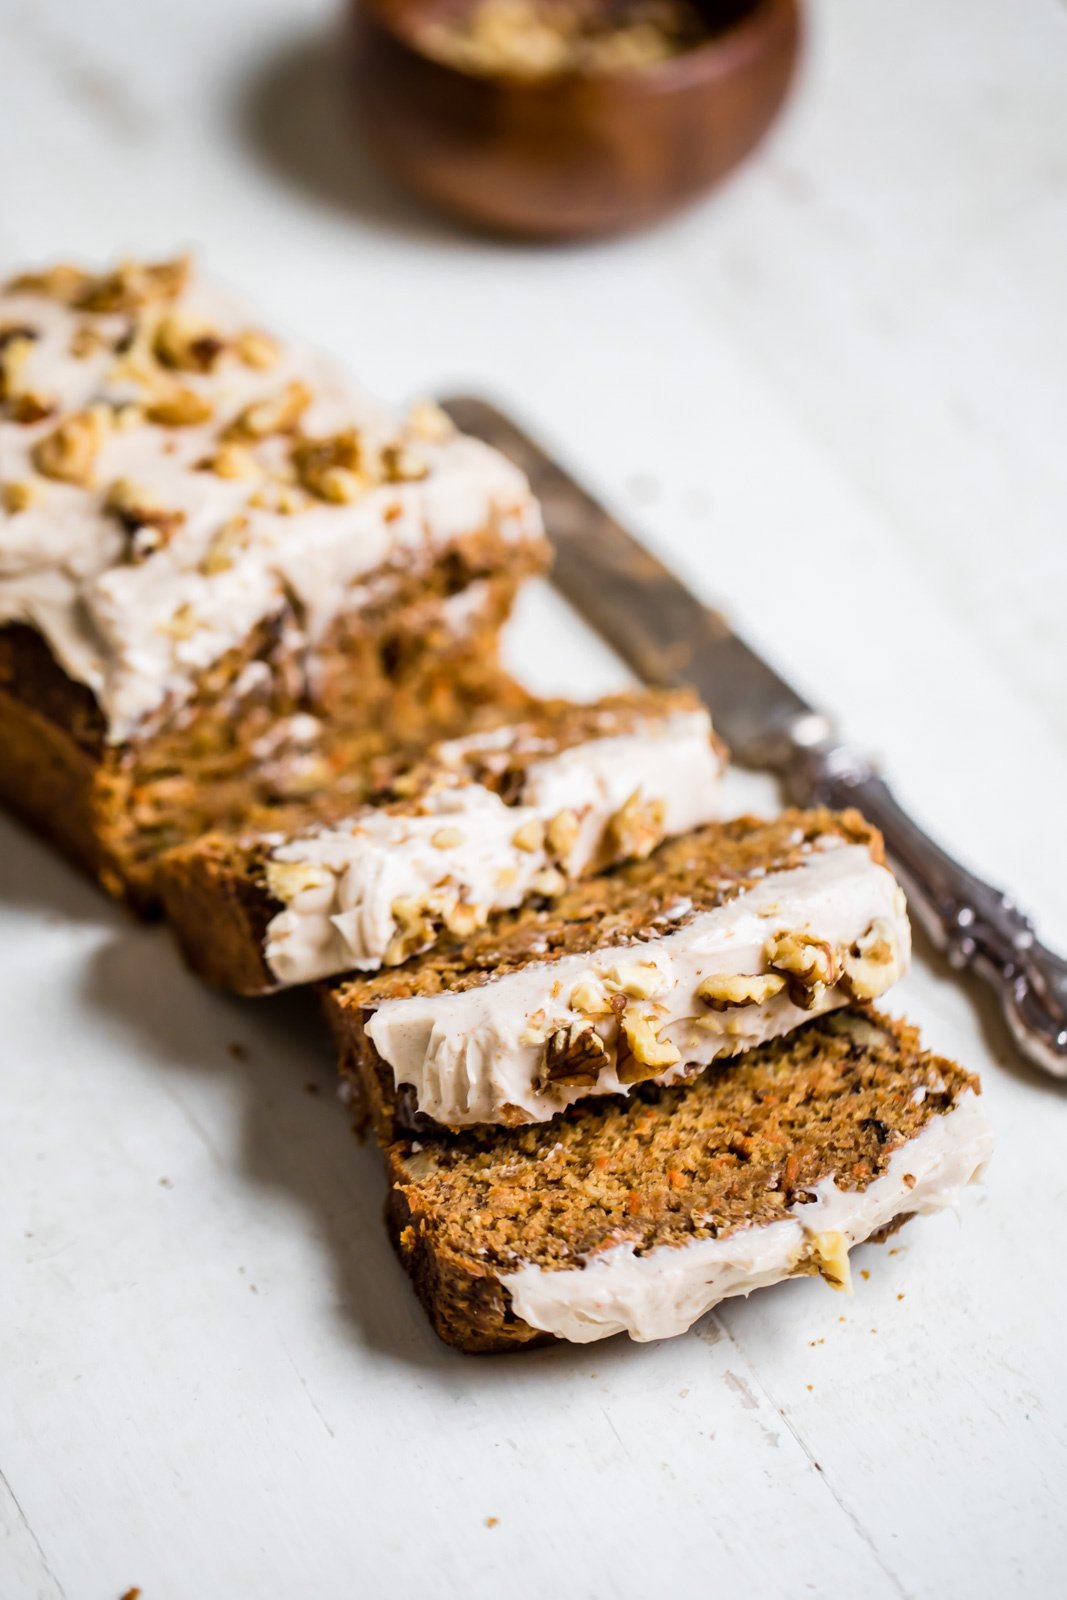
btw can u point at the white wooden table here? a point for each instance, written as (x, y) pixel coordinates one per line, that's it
(835, 398)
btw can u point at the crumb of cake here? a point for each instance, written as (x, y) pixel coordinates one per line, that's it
(133, 1593)
(491, 1522)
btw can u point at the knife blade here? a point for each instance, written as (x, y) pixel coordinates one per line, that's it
(669, 637)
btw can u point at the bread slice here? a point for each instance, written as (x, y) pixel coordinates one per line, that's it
(226, 577)
(482, 824)
(722, 938)
(639, 1214)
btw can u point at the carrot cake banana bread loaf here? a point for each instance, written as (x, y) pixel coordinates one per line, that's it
(224, 577)
(482, 824)
(722, 938)
(638, 1215)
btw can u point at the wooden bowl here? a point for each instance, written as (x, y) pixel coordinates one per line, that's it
(574, 155)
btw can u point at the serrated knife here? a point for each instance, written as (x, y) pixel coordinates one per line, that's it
(668, 637)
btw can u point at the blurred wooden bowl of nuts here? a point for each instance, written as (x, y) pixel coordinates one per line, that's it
(521, 120)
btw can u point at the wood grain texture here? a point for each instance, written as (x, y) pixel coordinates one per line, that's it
(572, 156)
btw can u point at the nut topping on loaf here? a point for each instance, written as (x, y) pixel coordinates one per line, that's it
(719, 940)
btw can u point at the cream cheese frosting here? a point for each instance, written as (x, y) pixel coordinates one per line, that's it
(244, 542)
(665, 1290)
(464, 853)
(478, 1054)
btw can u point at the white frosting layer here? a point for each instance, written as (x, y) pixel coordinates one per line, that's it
(460, 849)
(138, 634)
(475, 1055)
(663, 1292)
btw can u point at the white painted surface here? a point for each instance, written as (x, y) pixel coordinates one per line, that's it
(835, 397)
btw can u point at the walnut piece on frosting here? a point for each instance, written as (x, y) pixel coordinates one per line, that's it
(147, 522)
(865, 966)
(809, 966)
(642, 1053)
(636, 828)
(69, 452)
(19, 495)
(187, 345)
(333, 468)
(574, 1055)
(134, 285)
(280, 413)
(179, 407)
(426, 420)
(721, 990)
(256, 349)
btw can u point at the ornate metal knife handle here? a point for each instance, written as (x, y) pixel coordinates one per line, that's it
(977, 926)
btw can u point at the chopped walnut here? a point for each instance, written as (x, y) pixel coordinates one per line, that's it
(530, 837)
(462, 918)
(287, 879)
(134, 285)
(69, 452)
(16, 347)
(19, 495)
(401, 464)
(333, 468)
(720, 990)
(640, 980)
(256, 349)
(563, 833)
(548, 882)
(179, 408)
(280, 498)
(590, 998)
(642, 1053)
(231, 461)
(636, 829)
(426, 420)
(187, 345)
(148, 524)
(278, 414)
(62, 282)
(809, 965)
(414, 930)
(869, 966)
(829, 1251)
(574, 1055)
(86, 341)
(230, 539)
(183, 624)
